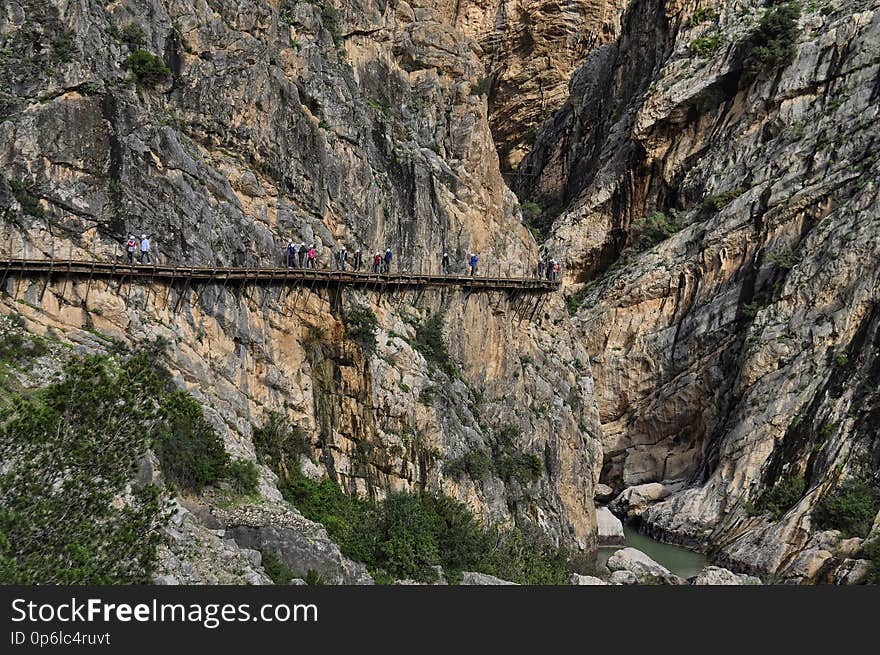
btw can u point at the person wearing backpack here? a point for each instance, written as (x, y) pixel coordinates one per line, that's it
(358, 259)
(313, 254)
(388, 258)
(474, 261)
(301, 253)
(131, 247)
(145, 250)
(444, 263)
(291, 253)
(377, 262)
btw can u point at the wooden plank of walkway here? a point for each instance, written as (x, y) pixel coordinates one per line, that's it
(268, 276)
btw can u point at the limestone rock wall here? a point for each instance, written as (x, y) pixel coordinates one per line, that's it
(348, 123)
(738, 351)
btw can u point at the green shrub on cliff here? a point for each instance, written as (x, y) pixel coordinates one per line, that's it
(773, 43)
(148, 69)
(70, 450)
(70, 511)
(784, 495)
(361, 325)
(407, 534)
(279, 444)
(653, 229)
(430, 342)
(850, 509)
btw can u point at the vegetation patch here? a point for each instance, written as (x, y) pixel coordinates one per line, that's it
(148, 69)
(70, 512)
(574, 301)
(407, 534)
(70, 450)
(773, 43)
(275, 568)
(654, 229)
(30, 203)
(712, 204)
(706, 46)
(279, 444)
(361, 325)
(430, 342)
(505, 460)
(243, 477)
(784, 495)
(850, 509)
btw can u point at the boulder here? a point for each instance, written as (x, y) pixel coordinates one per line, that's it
(473, 578)
(623, 578)
(603, 493)
(715, 575)
(585, 580)
(808, 564)
(632, 501)
(609, 528)
(302, 545)
(852, 572)
(646, 570)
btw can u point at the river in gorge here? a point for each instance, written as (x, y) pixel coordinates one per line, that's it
(680, 561)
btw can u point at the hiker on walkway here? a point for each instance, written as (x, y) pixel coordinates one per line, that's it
(358, 259)
(541, 267)
(550, 266)
(290, 254)
(301, 253)
(131, 247)
(388, 258)
(474, 261)
(555, 270)
(343, 256)
(313, 254)
(444, 263)
(377, 262)
(145, 250)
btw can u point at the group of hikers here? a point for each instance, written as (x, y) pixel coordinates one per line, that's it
(303, 256)
(549, 269)
(138, 248)
(306, 256)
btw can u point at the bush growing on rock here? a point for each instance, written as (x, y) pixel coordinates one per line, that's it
(148, 69)
(360, 326)
(191, 454)
(784, 495)
(70, 451)
(850, 509)
(773, 43)
(654, 229)
(430, 342)
(706, 46)
(407, 534)
(279, 444)
(243, 476)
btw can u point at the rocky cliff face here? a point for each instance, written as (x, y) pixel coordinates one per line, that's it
(529, 51)
(721, 227)
(357, 124)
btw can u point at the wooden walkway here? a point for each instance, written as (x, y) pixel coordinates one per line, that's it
(55, 268)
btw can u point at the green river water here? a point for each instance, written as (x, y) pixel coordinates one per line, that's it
(680, 561)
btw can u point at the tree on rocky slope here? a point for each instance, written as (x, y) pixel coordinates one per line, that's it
(67, 514)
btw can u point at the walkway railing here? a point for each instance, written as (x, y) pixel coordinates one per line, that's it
(56, 268)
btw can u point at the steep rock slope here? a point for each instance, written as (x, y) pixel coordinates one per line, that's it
(354, 124)
(529, 50)
(723, 212)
